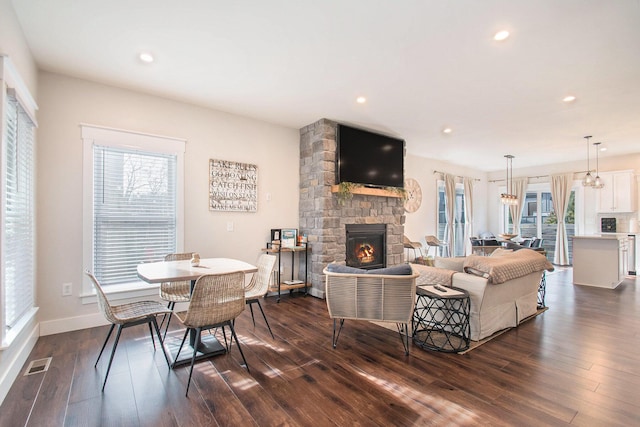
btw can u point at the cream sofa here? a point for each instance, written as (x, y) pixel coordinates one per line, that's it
(503, 288)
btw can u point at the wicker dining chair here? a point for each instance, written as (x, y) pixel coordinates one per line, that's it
(259, 285)
(174, 292)
(125, 316)
(216, 300)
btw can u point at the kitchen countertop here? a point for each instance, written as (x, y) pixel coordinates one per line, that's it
(605, 236)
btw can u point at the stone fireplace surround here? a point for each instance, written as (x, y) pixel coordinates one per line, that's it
(323, 219)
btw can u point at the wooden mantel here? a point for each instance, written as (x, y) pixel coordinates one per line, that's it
(368, 191)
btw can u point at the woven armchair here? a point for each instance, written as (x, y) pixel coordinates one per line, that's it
(259, 285)
(127, 315)
(372, 297)
(216, 300)
(174, 292)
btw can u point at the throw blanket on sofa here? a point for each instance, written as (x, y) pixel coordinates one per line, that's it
(509, 266)
(434, 276)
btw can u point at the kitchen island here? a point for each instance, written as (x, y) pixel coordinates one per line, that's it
(599, 260)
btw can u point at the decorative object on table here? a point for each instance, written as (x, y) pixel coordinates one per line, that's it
(507, 236)
(597, 182)
(414, 195)
(195, 260)
(233, 186)
(288, 237)
(275, 234)
(509, 198)
(587, 181)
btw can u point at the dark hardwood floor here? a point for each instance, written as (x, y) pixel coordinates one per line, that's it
(575, 364)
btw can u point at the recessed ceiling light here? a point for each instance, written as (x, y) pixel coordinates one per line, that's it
(603, 148)
(447, 130)
(569, 98)
(501, 35)
(361, 100)
(146, 57)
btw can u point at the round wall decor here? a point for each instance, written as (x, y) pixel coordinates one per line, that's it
(414, 195)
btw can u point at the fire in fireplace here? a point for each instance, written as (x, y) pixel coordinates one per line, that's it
(366, 245)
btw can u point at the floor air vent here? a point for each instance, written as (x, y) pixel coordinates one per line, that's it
(37, 366)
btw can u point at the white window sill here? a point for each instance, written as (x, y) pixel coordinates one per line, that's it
(13, 333)
(123, 291)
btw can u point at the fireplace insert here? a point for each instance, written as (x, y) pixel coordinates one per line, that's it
(366, 246)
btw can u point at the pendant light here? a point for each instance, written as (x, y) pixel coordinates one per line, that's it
(597, 183)
(509, 198)
(588, 178)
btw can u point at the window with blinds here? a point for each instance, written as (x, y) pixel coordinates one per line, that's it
(134, 210)
(18, 276)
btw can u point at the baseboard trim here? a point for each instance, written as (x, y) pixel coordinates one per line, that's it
(69, 324)
(14, 366)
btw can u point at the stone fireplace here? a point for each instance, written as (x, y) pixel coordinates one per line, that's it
(324, 220)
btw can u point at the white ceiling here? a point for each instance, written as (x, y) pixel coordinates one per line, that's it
(423, 65)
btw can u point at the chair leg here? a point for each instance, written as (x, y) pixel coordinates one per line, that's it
(182, 343)
(193, 360)
(164, 350)
(113, 351)
(113, 325)
(403, 330)
(264, 316)
(224, 334)
(253, 319)
(336, 336)
(233, 335)
(170, 306)
(151, 332)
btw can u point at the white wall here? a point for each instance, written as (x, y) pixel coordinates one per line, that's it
(422, 222)
(13, 44)
(67, 102)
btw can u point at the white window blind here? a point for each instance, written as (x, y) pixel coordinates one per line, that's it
(134, 209)
(18, 217)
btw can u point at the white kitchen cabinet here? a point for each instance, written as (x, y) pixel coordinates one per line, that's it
(618, 193)
(600, 260)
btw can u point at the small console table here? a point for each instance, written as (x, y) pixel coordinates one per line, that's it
(441, 321)
(290, 285)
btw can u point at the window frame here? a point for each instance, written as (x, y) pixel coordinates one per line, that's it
(110, 137)
(463, 204)
(10, 80)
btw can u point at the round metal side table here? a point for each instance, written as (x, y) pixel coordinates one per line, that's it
(440, 321)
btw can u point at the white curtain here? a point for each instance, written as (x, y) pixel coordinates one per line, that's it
(560, 194)
(519, 190)
(468, 214)
(449, 209)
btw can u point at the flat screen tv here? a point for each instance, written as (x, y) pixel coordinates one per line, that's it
(369, 158)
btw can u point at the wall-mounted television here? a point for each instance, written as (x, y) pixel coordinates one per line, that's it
(369, 158)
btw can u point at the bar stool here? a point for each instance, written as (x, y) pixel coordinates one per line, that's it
(434, 242)
(415, 246)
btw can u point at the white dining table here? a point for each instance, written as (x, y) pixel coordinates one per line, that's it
(178, 271)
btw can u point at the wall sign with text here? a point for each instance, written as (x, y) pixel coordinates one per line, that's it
(233, 186)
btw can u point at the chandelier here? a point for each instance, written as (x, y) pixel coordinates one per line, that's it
(597, 182)
(509, 198)
(587, 181)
